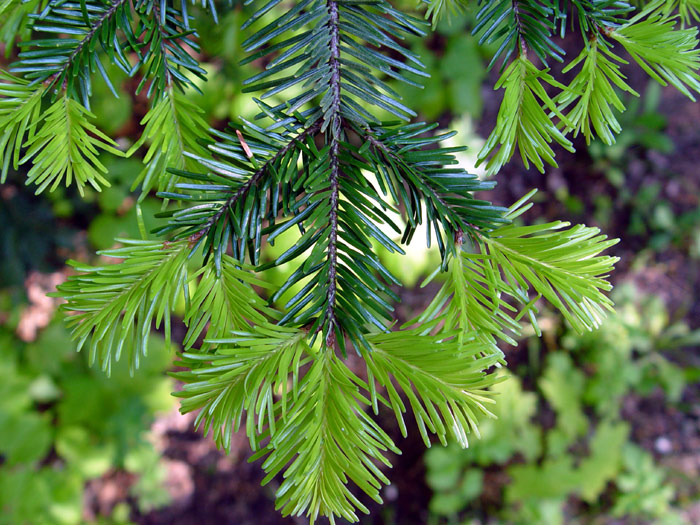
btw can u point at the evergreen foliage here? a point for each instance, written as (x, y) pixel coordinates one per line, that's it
(325, 164)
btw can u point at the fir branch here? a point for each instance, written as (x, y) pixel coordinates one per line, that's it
(472, 304)
(164, 32)
(247, 374)
(561, 264)
(20, 106)
(437, 9)
(327, 31)
(488, 292)
(333, 122)
(15, 21)
(68, 66)
(241, 192)
(593, 91)
(688, 10)
(442, 376)
(304, 409)
(516, 26)
(103, 19)
(668, 55)
(523, 119)
(598, 17)
(224, 302)
(326, 440)
(114, 305)
(330, 329)
(66, 149)
(174, 126)
(447, 193)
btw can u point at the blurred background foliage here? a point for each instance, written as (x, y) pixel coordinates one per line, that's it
(599, 428)
(581, 461)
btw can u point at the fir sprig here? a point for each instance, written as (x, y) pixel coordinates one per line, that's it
(668, 55)
(516, 25)
(67, 63)
(174, 127)
(66, 149)
(418, 173)
(246, 377)
(688, 10)
(224, 300)
(561, 265)
(324, 165)
(445, 399)
(524, 119)
(438, 9)
(593, 94)
(326, 440)
(114, 305)
(164, 41)
(20, 106)
(15, 21)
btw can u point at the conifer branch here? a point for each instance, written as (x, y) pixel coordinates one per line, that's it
(20, 108)
(332, 245)
(435, 194)
(106, 17)
(164, 60)
(264, 170)
(66, 148)
(175, 127)
(113, 305)
(70, 64)
(321, 163)
(159, 18)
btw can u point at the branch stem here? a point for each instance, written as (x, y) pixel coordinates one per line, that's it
(334, 127)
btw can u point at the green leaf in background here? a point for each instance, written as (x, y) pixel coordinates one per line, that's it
(512, 431)
(465, 488)
(78, 446)
(30, 496)
(554, 479)
(604, 461)
(111, 112)
(87, 425)
(25, 438)
(463, 68)
(14, 382)
(122, 223)
(150, 489)
(643, 488)
(562, 385)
